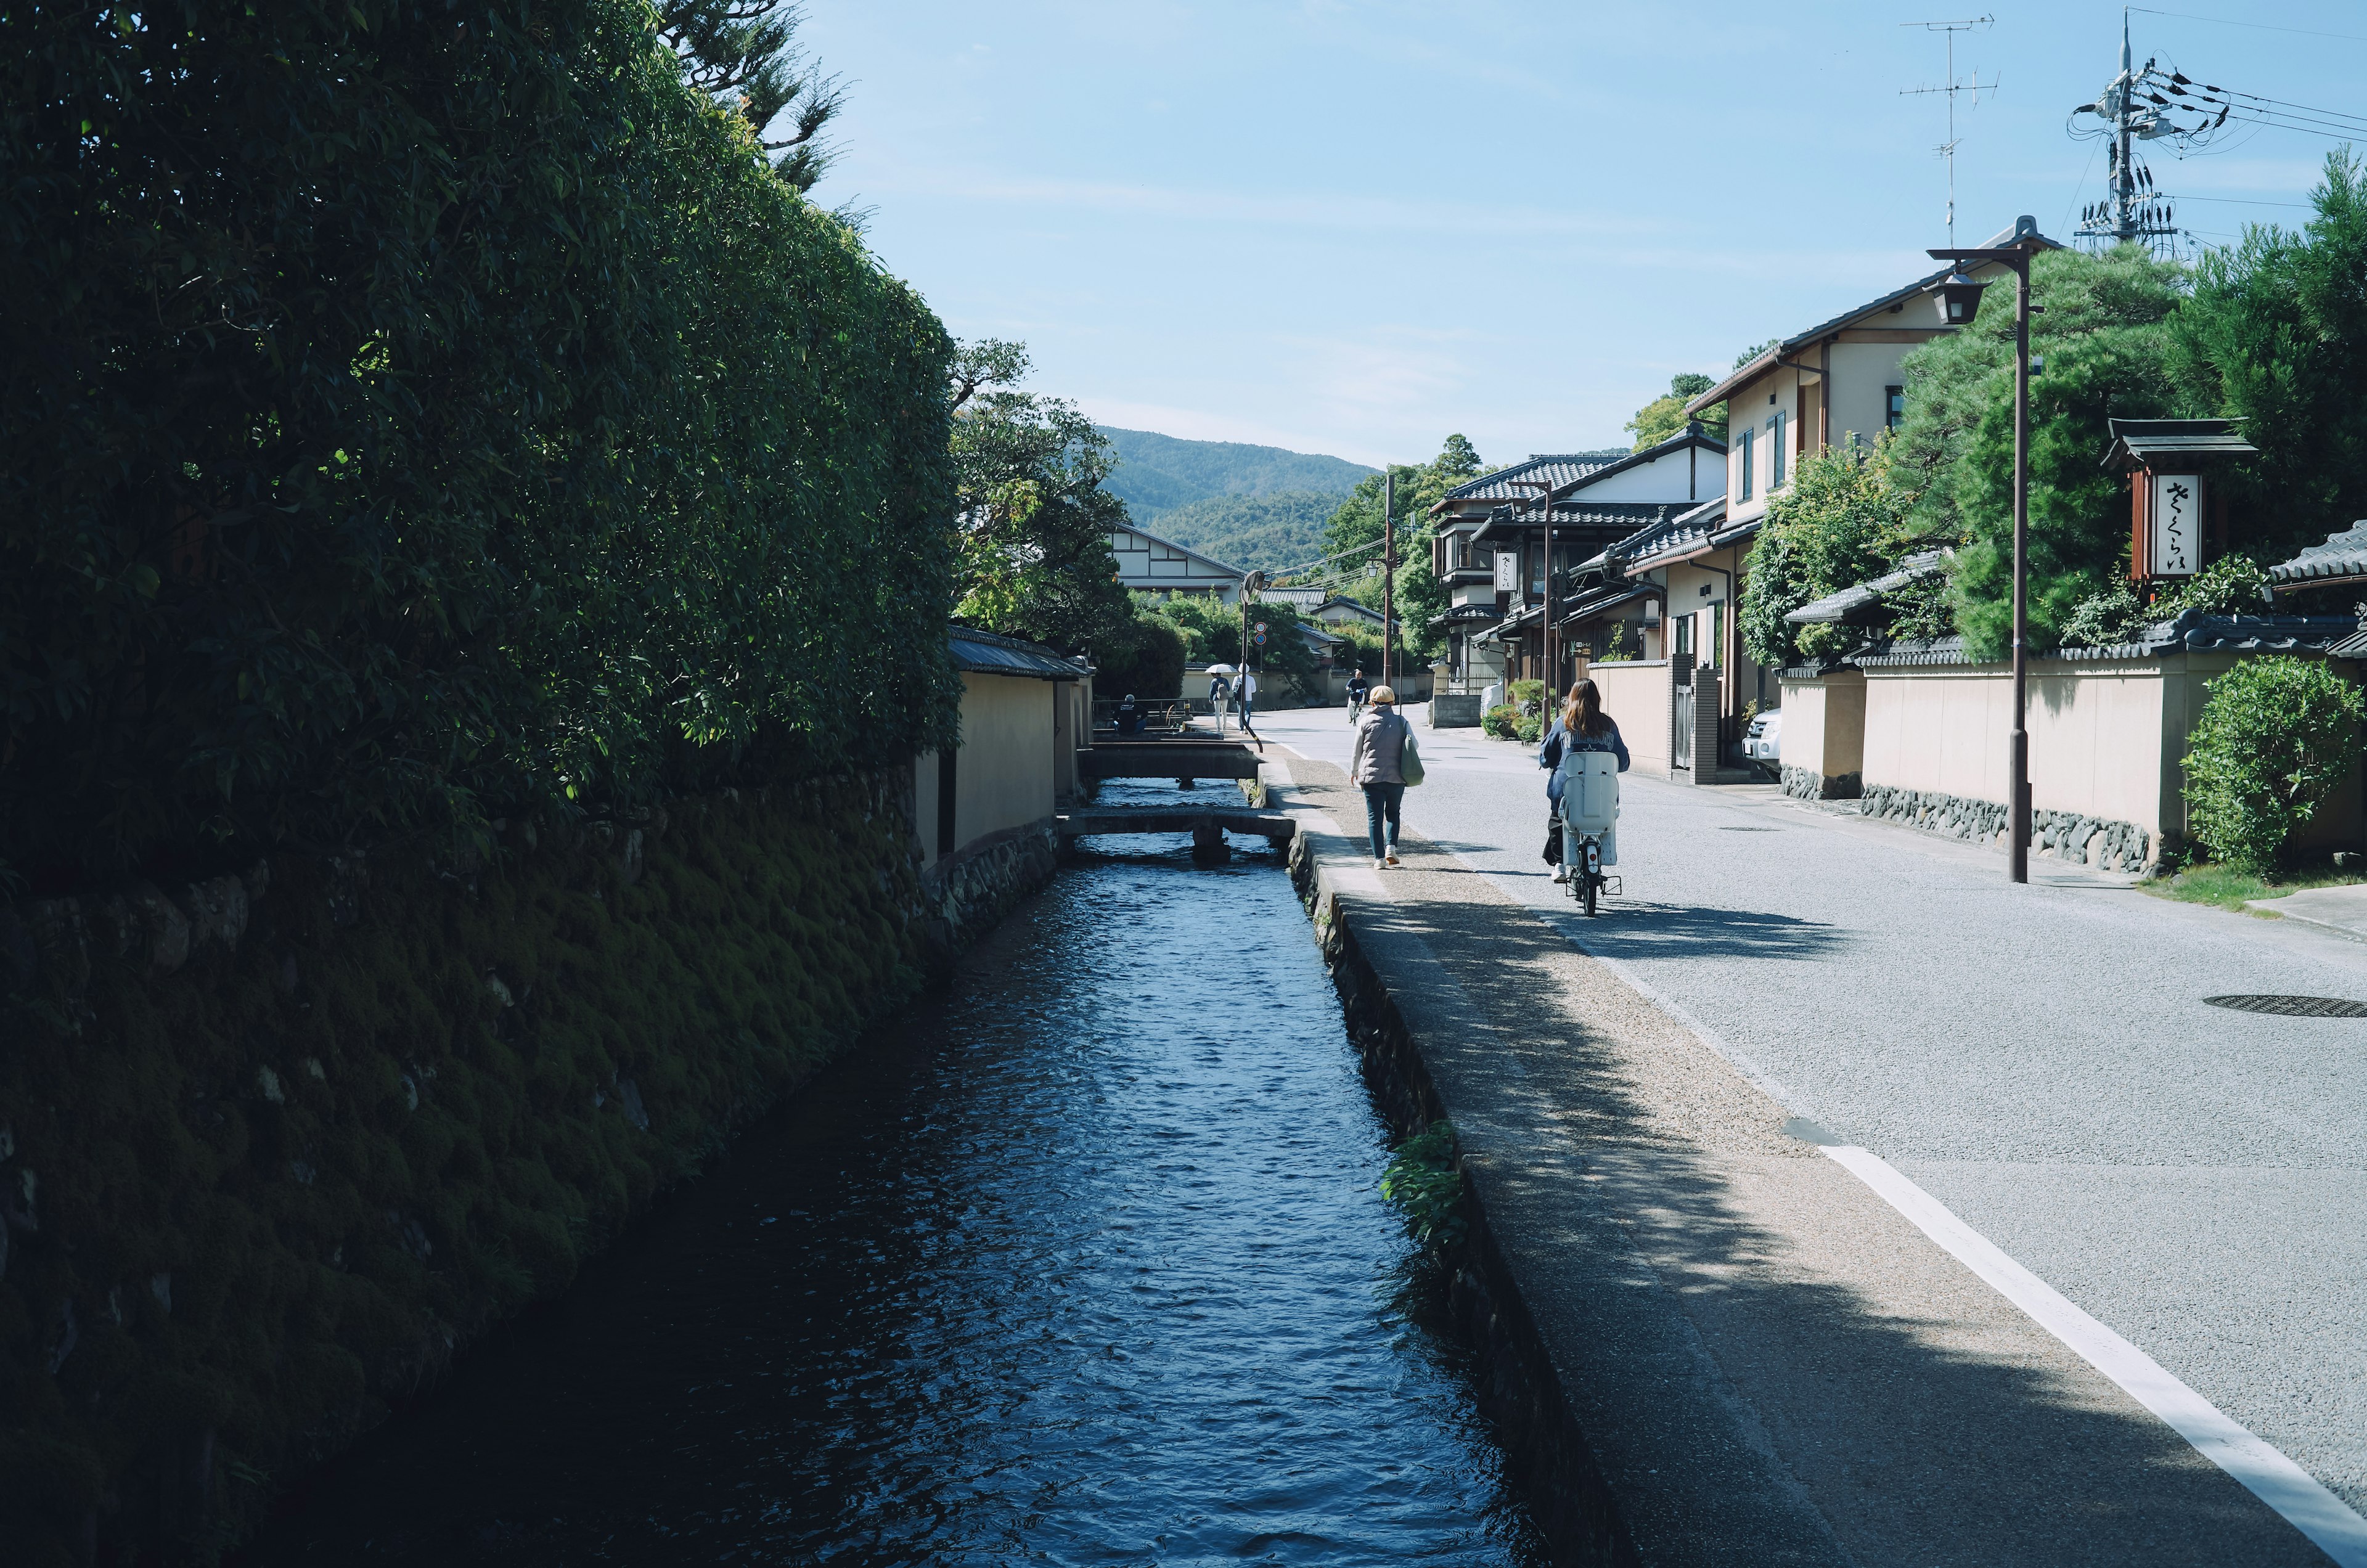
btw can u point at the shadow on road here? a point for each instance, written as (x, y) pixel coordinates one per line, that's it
(1767, 1365)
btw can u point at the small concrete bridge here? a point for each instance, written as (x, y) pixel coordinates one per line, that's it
(1207, 825)
(1182, 758)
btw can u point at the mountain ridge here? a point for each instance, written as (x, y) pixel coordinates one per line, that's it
(1156, 474)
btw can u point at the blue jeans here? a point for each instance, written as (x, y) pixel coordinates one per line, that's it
(1381, 802)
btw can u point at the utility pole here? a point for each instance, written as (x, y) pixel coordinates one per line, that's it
(2133, 212)
(1951, 87)
(1389, 569)
(1552, 676)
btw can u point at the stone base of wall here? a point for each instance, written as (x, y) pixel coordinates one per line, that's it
(1806, 783)
(965, 894)
(1455, 710)
(2063, 835)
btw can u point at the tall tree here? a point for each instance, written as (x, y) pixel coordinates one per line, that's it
(2105, 338)
(745, 54)
(2276, 334)
(1665, 417)
(1033, 553)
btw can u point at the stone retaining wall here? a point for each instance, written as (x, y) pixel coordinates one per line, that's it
(967, 893)
(2106, 845)
(1806, 783)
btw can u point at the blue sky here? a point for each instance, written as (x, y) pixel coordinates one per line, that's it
(1351, 227)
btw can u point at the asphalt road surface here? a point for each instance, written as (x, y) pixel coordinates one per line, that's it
(2038, 1058)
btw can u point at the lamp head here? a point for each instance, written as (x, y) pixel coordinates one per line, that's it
(1958, 297)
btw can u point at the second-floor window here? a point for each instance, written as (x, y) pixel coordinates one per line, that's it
(1742, 457)
(1775, 453)
(1894, 407)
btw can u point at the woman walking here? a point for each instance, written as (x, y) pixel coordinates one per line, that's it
(1582, 726)
(1378, 766)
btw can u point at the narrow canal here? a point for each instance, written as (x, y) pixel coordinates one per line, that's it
(1084, 1263)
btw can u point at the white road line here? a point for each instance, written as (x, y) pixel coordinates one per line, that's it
(2268, 1475)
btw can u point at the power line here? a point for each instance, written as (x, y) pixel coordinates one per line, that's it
(2257, 26)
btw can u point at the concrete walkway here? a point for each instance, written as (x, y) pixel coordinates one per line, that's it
(1780, 1346)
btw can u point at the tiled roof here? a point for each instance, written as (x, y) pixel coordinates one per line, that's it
(989, 653)
(1861, 604)
(1621, 517)
(1617, 596)
(1554, 468)
(2192, 632)
(1683, 531)
(1463, 615)
(2343, 555)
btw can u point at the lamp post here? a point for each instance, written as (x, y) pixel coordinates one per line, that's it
(1958, 297)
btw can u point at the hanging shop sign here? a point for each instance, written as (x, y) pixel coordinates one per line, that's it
(2173, 524)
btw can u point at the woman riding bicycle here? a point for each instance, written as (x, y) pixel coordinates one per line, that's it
(1582, 726)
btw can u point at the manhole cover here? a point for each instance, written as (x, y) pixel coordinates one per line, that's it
(2291, 1006)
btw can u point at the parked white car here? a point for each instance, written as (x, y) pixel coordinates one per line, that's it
(1763, 742)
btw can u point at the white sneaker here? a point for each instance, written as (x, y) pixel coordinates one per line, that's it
(1393, 860)
(1380, 865)
(1561, 873)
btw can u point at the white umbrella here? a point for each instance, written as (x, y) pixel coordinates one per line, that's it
(1222, 669)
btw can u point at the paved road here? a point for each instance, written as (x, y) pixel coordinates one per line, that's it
(2038, 1058)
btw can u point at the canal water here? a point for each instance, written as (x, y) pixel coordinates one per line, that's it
(1083, 1263)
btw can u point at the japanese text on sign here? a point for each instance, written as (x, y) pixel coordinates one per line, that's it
(2176, 514)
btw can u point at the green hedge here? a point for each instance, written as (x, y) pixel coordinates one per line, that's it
(418, 413)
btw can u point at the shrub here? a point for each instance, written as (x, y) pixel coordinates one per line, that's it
(2277, 735)
(1426, 1185)
(1527, 694)
(1502, 721)
(1153, 668)
(1529, 727)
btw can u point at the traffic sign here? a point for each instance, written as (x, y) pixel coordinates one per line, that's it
(1260, 628)
(1259, 640)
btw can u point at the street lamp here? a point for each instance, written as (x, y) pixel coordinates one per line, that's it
(1959, 299)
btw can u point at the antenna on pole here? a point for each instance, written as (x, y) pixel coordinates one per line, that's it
(1951, 87)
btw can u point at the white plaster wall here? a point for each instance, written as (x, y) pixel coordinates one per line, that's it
(1860, 372)
(1635, 696)
(1666, 478)
(1004, 777)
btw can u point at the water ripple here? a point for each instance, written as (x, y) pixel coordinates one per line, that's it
(1084, 1265)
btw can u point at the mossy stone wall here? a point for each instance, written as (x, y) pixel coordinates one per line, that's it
(246, 1204)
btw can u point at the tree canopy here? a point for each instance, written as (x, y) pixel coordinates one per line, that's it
(1665, 417)
(743, 54)
(2275, 334)
(2105, 338)
(1032, 545)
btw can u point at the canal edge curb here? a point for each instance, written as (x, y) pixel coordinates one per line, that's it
(1520, 1388)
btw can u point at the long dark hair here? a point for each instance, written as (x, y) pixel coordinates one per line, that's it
(1583, 715)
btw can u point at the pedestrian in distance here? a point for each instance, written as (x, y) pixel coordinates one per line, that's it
(1357, 693)
(1582, 726)
(1383, 761)
(1220, 696)
(1248, 690)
